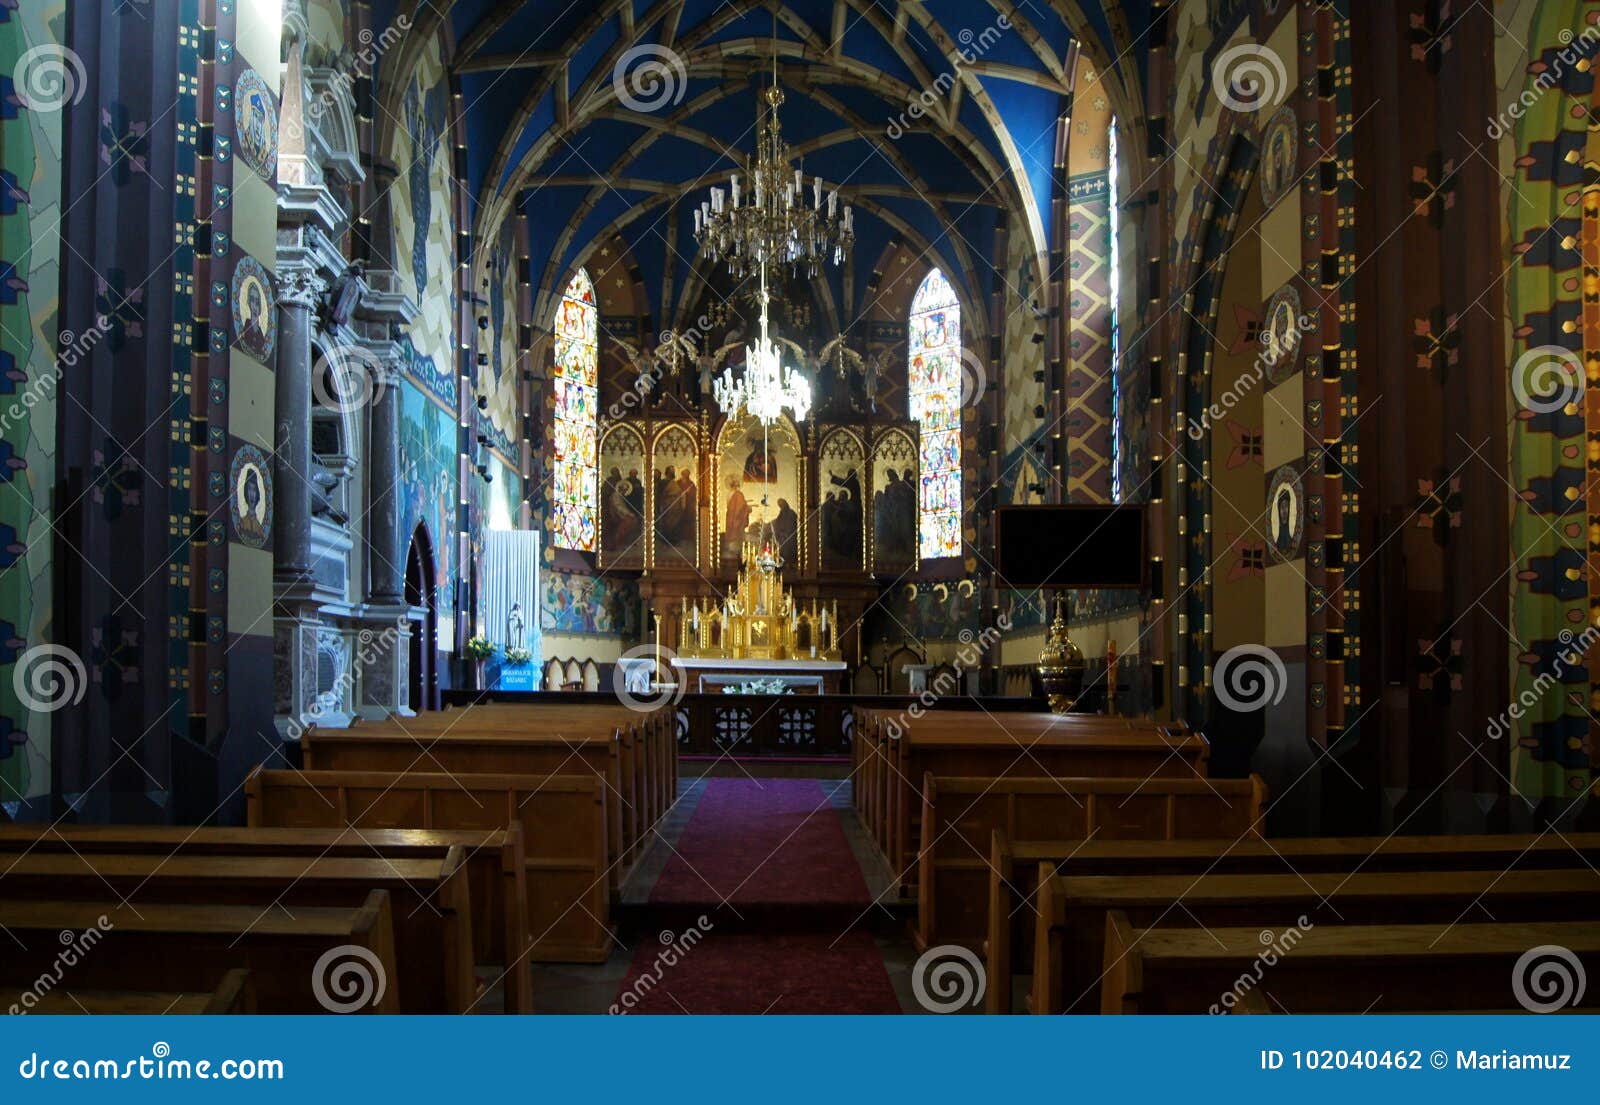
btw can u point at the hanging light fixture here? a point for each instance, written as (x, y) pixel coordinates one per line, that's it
(768, 388)
(771, 216)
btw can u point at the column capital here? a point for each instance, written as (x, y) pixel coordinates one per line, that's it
(300, 287)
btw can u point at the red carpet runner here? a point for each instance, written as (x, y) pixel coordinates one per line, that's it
(758, 844)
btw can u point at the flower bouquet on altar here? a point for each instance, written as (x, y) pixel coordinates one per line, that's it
(517, 656)
(759, 686)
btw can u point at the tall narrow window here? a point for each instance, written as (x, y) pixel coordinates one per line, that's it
(1114, 278)
(577, 405)
(933, 343)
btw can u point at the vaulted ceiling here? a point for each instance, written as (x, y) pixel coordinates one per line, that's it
(548, 132)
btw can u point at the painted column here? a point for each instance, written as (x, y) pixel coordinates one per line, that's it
(383, 514)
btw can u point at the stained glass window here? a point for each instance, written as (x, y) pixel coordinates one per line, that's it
(933, 342)
(576, 411)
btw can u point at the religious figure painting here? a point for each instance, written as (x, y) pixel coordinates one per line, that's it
(622, 499)
(1280, 334)
(842, 503)
(255, 308)
(1286, 514)
(251, 501)
(675, 495)
(255, 111)
(894, 504)
(758, 491)
(1279, 153)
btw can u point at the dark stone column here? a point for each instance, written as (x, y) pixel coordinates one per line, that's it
(297, 294)
(384, 564)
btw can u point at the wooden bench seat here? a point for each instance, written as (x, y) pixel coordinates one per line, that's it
(960, 817)
(1069, 942)
(431, 903)
(158, 947)
(1333, 968)
(1014, 865)
(595, 749)
(561, 817)
(495, 868)
(232, 995)
(974, 744)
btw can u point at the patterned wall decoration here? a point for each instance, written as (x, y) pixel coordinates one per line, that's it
(1088, 422)
(1552, 209)
(30, 190)
(497, 363)
(936, 611)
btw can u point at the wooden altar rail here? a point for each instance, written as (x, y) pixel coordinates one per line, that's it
(795, 725)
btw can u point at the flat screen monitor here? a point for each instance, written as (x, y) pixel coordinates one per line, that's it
(1070, 546)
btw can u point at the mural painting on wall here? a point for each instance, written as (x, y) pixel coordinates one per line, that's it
(256, 124)
(1286, 514)
(622, 496)
(251, 503)
(33, 155)
(894, 504)
(760, 487)
(427, 491)
(675, 499)
(255, 309)
(497, 344)
(425, 239)
(940, 611)
(841, 488)
(589, 605)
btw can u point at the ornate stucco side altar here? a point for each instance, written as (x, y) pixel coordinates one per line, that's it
(758, 631)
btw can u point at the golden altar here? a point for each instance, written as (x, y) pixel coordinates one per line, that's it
(758, 619)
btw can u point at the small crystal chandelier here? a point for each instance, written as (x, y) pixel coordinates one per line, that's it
(768, 388)
(770, 220)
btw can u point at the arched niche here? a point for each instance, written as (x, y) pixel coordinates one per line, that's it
(622, 498)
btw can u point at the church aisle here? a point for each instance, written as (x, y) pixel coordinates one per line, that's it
(758, 910)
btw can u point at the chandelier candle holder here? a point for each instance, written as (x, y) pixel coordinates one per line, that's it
(766, 218)
(767, 388)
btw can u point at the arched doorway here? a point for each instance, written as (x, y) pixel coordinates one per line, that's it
(424, 676)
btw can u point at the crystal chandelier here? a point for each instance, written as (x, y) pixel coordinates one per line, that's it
(769, 219)
(768, 388)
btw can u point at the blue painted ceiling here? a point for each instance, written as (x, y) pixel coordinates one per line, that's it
(580, 164)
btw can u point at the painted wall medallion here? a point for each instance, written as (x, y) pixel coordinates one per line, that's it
(255, 303)
(250, 501)
(1280, 155)
(1286, 514)
(255, 112)
(1281, 336)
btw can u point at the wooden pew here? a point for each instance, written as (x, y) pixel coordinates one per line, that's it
(1069, 942)
(505, 740)
(646, 744)
(494, 861)
(561, 818)
(1333, 968)
(960, 817)
(1014, 865)
(431, 903)
(232, 995)
(159, 947)
(971, 743)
